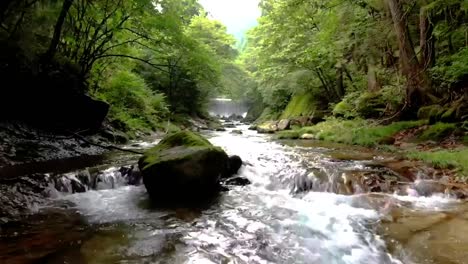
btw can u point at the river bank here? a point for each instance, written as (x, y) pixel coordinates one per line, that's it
(442, 145)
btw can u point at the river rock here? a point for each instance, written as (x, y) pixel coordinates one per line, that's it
(235, 162)
(183, 167)
(237, 132)
(269, 127)
(132, 174)
(284, 124)
(308, 136)
(237, 181)
(428, 187)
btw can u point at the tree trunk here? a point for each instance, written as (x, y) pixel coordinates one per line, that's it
(49, 55)
(426, 40)
(417, 84)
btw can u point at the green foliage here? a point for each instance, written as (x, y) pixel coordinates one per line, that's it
(268, 114)
(438, 131)
(446, 159)
(299, 105)
(133, 105)
(146, 58)
(370, 104)
(452, 68)
(354, 132)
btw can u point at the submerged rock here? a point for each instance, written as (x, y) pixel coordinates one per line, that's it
(183, 167)
(237, 181)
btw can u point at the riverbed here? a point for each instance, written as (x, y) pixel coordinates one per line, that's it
(279, 218)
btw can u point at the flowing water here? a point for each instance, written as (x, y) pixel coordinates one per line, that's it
(273, 220)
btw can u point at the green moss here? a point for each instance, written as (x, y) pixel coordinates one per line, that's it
(344, 109)
(192, 141)
(438, 131)
(445, 159)
(299, 105)
(370, 105)
(183, 138)
(289, 134)
(353, 132)
(268, 114)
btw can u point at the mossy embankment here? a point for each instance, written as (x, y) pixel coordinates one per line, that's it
(443, 145)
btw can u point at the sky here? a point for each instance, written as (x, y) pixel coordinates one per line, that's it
(237, 15)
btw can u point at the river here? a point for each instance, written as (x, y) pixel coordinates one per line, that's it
(272, 220)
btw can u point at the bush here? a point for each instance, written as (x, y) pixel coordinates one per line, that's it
(133, 105)
(353, 132)
(370, 104)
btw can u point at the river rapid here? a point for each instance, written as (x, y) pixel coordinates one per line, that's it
(273, 220)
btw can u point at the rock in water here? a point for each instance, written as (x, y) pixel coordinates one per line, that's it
(235, 162)
(183, 168)
(237, 181)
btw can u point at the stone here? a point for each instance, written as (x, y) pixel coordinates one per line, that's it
(183, 168)
(284, 124)
(237, 132)
(229, 125)
(237, 181)
(253, 127)
(308, 136)
(269, 127)
(235, 162)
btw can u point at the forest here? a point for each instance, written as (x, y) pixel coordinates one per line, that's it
(143, 66)
(149, 60)
(143, 131)
(372, 69)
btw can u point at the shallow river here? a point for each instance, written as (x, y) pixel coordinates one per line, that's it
(269, 221)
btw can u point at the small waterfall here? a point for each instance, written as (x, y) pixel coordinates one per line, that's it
(227, 107)
(83, 181)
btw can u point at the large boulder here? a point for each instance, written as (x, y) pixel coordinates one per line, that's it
(183, 168)
(235, 162)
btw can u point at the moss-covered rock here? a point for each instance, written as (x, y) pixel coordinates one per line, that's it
(268, 127)
(344, 109)
(370, 105)
(430, 113)
(183, 167)
(438, 131)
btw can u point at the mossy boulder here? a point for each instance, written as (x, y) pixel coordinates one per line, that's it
(370, 105)
(269, 127)
(430, 112)
(183, 168)
(454, 112)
